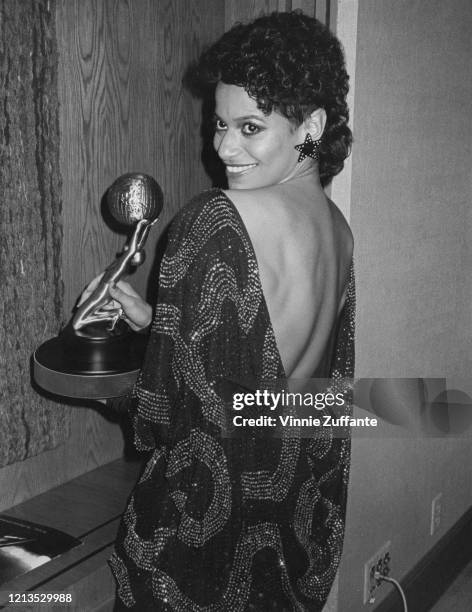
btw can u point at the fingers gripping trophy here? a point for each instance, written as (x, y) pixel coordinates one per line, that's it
(97, 355)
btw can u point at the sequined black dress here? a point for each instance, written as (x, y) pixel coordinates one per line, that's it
(217, 523)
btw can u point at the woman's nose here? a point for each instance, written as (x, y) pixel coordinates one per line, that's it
(228, 145)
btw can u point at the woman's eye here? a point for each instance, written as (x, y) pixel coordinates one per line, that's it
(250, 128)
(219, 125)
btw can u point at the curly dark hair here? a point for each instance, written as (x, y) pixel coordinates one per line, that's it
(290, 63)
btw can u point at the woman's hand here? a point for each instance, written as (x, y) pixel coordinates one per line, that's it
(136, 312)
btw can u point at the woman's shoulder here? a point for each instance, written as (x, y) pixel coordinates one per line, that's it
(207, 205)
(198, 205)
(201, 214)
(208, 224)
(207, 243)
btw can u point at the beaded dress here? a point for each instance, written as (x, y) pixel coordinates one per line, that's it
(218, 523)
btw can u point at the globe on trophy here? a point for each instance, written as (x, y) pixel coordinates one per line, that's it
(97, 355)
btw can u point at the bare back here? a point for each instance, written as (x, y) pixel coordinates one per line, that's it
(303, 247)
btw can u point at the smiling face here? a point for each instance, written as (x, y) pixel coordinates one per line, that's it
(257, 149)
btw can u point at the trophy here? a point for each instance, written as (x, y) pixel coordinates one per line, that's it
(97, 355)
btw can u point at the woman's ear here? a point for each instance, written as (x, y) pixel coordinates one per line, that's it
(315, 123)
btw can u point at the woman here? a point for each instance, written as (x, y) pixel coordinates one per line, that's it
(256, 284)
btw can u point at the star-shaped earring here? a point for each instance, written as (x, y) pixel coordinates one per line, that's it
(309, 148)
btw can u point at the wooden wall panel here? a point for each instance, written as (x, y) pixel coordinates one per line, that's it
(123, 108)
(246, 10)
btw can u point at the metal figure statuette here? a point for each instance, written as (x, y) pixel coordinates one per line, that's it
(133, 198)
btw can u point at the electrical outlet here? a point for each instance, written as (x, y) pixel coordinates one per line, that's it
(436, 512)
(379, 562)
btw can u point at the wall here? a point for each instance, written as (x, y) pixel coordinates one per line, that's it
(410, 213)
(30, 225)
(246, 10)
(122, 108)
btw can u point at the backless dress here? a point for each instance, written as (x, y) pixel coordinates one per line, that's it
(219, 522)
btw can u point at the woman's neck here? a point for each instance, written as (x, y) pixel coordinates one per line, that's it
(306, 170)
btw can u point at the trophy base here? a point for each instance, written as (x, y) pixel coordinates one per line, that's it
(91, 363)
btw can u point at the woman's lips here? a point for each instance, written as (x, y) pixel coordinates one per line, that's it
(234, 169)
